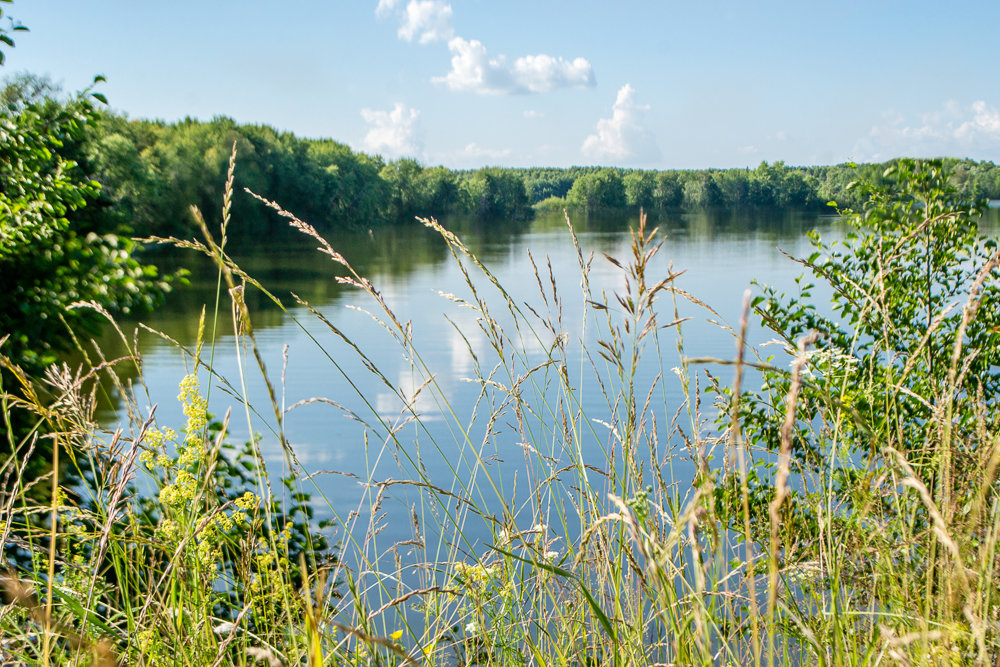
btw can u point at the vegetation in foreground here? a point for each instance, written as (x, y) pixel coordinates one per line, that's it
(845, 512)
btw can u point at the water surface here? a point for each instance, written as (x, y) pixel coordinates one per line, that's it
(340, 400)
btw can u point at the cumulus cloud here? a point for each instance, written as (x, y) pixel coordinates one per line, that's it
(954, 130)
(392, 133)
(474, 150)
(984, 124)
(531, 113)
(474, 70)
(426, 21)
(624, 135)
(542, 73)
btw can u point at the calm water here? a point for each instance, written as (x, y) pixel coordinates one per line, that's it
(721, 257)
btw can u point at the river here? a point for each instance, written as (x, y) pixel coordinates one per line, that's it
(338, 414)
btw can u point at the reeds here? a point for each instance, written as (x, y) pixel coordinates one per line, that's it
(792, 552)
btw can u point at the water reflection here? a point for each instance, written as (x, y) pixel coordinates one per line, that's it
(411, 266)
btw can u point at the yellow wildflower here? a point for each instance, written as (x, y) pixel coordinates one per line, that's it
(247, 501)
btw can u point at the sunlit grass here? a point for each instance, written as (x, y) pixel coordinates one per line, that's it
(622, 560)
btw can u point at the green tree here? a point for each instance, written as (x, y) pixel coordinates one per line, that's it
(734, 185)
(439, 192)
(54, 251)
(405, 200)
(640, 189)
(669, 193)
(914, 336)
(497, 194)
(600, 189)
(701, 191)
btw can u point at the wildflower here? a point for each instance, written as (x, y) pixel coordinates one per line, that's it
(247, 501)
(397, 635)
(148, 459)
(225, 522)
(180, 492)
(144, 639)
(194, 404)
(169, 495)
(168, 531)
(154, 438)
(191, 454)
(208, 553)
(471, 628)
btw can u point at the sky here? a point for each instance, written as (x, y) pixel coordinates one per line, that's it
(469, 83)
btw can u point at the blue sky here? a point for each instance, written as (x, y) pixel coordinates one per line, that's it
(468, 83)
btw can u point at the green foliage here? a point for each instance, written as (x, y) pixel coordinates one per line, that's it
(702, 191)
(496, 194)
(551, 204)
(156, 577)
(601, 189)
(414, 190)
(640, 189)
(669, 191)
(545, 183)
(55, 246)
(895, 382)
(11, 26)
(898, 282)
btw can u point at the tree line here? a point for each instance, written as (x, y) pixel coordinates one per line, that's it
(768, 186)
(78, 180)
(151, 172)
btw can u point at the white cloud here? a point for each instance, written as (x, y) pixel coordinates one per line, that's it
(531, 113)
(426, 21)
(473, 70)
(953, 130)
(623, 136)
(414, 394)
(385, 7)
(474, 150)
(543, 73)
(984, 125)
(392, 133)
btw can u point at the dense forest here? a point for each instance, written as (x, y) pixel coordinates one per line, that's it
(151, 172)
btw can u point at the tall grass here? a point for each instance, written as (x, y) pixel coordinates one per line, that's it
(809, 533)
